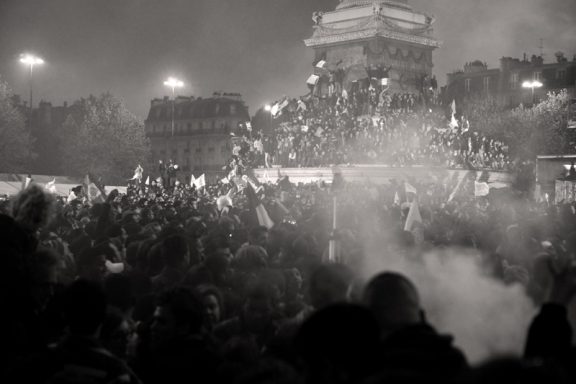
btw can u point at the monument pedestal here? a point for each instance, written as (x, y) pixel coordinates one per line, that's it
(386, 37)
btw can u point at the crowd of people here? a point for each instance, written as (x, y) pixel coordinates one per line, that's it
(183, 285)
(369, 125)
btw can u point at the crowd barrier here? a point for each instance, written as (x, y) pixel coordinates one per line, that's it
(377, 174)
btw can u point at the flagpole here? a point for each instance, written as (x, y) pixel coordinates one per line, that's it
(332, 243)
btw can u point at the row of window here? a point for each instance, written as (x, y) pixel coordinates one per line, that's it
(514, 80)
(191, 127)
(178, 111)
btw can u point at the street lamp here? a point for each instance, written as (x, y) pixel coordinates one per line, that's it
(31, 61)
(532, 85)
(173, 83)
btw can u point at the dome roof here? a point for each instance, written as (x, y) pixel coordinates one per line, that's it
(362, 3)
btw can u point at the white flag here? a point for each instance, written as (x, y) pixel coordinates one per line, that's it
(453, 122)
(481, 189)
(410, 189)
(413, 216)
(192, 180)
(51, 186)
(71, 197)
(396, 198)
(138, 173)
(148, 180)
(321, 64)
(313, 79)
(200, 182)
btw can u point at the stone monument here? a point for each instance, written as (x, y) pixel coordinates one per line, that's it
(361, 37)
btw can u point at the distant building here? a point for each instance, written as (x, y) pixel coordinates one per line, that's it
(202, 139)
(505, 83)
(374, 39)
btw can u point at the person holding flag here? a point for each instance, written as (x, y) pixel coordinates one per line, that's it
(257, 207)
(137, 174)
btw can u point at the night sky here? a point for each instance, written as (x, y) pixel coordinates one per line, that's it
(253, 47)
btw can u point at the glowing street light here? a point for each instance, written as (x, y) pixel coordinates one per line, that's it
(532, 85)
(30, 61)
(173, 83)
(267, 107)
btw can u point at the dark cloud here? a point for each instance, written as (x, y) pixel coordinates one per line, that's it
(254, 47)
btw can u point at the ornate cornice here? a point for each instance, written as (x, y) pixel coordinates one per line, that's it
(316, 41)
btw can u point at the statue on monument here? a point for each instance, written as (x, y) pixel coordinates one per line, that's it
(317, 17)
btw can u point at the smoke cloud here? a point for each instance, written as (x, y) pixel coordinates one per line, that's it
(486, 317)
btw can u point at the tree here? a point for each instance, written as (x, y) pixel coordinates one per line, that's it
(103, 138)
(15, 139)
(538, 130)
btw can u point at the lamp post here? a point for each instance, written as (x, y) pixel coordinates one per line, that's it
(532, 85)
(31, 61)
(173, 83)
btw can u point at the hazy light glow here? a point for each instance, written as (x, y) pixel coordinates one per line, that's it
(173, 82)
(31, 59)
(532, 84)
(267, 107)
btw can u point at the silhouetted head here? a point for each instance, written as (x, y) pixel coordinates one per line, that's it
(329, 284)
(393, 300)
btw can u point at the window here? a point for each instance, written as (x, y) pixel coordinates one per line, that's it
(514, 80)
(189, 127)
(467, 85)
(232, 109)
(538, 76)
(211, 149)
(199, 150)
(560, 74)
(486, 84)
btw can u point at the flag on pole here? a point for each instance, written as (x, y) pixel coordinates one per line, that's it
(192, 180)
(481, 189)
(51, 186)
(138, 173)
(453, 122)
(413, 216)
(26, 182)
(200, 182)
(462, 176)
(71, 197)
(93, 193)
(410, 189)
(321, 64)
(313, 79)
(147, 180)
(396, 198)
(256, 206)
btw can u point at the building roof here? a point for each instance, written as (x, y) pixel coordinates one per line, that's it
(191, 108)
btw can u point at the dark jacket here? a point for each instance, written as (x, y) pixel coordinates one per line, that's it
(420, 350)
